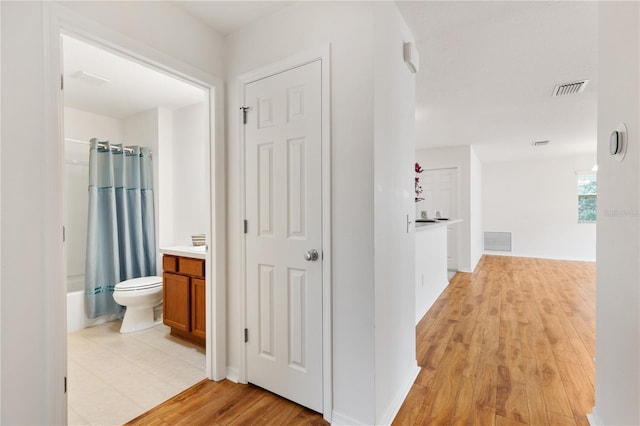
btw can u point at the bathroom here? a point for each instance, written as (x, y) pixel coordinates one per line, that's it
(114, 98)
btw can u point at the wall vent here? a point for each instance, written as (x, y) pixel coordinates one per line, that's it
(92, 79)
(540, 143)
(569, 88)
(498, 241)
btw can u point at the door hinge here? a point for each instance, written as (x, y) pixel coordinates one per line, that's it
(246, 226)
(246, 335)
(64, 234)
(65, 384)
(244, 114)
(62, 82)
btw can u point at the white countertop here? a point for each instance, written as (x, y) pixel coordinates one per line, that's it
(422, 226)
(197, 252)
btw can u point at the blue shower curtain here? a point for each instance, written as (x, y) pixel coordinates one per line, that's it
(121, 226)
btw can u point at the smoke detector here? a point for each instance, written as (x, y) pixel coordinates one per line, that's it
(540, 143)
(571, 88)
(87, 77)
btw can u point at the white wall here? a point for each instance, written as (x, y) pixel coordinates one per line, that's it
(23, 372)
(430, 268)
(189, 40)
(476, 244)
(537, 201)
(348, 26)
(32, 372)
(618, 245)
(163, 162)
(460, 157)
(394, 147)
(190, 199)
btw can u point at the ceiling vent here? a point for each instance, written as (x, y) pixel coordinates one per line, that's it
(540, 143)
(569, 88)
(87, 77)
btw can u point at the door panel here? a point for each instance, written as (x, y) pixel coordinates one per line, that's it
(283, 210)
(198, 307)
(176, 301)
(440, 191)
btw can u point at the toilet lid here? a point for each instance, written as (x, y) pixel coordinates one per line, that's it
(139, 283)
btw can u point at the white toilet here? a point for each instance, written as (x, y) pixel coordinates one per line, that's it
(140, 296)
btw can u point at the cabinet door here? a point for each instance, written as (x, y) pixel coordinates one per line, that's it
(176, 301)
(198, 308)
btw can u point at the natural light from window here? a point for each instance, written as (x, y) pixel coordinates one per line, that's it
(587, 196)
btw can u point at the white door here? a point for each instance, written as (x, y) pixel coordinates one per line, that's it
(440, 192)
(284, 214)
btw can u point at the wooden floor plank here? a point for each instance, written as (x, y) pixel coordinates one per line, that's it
(511, 344)
(525, 344)
(484, 396)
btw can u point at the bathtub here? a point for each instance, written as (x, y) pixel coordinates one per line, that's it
(76, 317)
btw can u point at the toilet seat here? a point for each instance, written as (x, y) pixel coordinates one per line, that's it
(142, 283)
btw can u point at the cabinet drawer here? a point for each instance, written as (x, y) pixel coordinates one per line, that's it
(189, 266)
(169, 263)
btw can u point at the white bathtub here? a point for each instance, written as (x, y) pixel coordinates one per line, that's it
(77, 319)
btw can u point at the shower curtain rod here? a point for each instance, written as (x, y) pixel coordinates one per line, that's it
(100, 144)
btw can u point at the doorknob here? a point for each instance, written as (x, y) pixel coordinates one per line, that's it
(311, 255)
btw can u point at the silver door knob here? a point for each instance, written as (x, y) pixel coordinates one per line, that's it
(311, 255)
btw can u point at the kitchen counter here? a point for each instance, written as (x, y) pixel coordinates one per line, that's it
(196, 252)
(421, 226)
(431, 263)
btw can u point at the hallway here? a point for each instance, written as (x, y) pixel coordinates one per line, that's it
(511, 344)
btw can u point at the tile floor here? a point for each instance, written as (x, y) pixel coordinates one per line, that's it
(115, 377)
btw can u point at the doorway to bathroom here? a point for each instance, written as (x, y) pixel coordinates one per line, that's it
(117, 99)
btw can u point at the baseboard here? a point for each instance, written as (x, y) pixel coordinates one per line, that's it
(421, 315)
(233, 375)
(339, 419)
(537, 256)
(593, 418)
(393, 408)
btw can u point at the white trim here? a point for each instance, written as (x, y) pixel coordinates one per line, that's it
(593, 418)
(59, 20)
(340, 419)
(54, 265)
(393, 408)
(322, 53)
(0, 207)
(421, 315)
(233, 374)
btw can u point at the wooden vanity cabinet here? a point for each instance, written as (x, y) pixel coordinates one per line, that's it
(198, 308)
(183, 290)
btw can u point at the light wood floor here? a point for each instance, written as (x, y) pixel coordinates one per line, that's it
(511, 344)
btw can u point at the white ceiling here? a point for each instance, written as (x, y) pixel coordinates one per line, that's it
(488, 69)
(228, 16)
(133, 88)
(487, 72)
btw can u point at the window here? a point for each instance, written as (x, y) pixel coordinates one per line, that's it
(587, 196)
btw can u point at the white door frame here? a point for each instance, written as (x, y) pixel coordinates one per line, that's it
(57, 21)
(323, 54)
